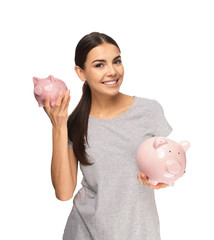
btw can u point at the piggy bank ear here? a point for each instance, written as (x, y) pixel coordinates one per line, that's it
(185, 145)
(35, 79)
(159, 142)
(50, 77)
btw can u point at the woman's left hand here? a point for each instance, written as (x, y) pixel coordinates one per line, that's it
(143, 179)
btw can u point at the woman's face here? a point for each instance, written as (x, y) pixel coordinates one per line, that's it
(103, 63)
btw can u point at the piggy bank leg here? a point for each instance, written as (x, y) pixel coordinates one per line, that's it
(41, 105)
(152, 182)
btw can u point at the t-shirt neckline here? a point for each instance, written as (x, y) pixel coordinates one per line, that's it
(117, 117)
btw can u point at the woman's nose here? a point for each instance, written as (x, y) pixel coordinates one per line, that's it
(111, 70)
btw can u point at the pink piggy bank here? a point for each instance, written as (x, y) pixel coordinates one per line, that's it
(162, 160)
(48, 86)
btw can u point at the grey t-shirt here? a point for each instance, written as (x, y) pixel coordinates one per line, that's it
(112, 204)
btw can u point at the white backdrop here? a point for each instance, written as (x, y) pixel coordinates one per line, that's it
(167, 50)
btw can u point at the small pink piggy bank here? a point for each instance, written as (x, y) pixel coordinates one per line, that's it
(48, 86)
(162, 160)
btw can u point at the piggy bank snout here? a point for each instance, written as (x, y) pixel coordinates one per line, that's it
(173, 167)
(38, 90)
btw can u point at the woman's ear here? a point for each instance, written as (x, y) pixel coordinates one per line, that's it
(80, 73)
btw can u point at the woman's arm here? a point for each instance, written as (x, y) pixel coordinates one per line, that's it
(61, 173)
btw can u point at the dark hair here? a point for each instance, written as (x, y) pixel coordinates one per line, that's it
(78, 120)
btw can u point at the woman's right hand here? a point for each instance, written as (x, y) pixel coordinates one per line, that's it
(59, 113)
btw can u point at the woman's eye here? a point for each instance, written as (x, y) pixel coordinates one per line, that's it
(101, 64)
(118, 61)
(98, 65)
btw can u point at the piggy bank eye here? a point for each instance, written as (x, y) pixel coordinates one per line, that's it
(178, 153)
(169, 151)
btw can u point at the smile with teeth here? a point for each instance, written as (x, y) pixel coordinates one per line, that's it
(110, 82)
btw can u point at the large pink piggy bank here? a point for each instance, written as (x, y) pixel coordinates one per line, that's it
(162, 160)
(48, 86)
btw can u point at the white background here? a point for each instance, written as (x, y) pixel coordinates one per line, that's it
(168, 54)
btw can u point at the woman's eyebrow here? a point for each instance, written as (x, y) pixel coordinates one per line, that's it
(102, 60)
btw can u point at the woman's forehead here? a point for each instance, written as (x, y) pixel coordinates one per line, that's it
(103, 51)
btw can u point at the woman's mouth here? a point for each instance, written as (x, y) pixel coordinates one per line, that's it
(112, 83)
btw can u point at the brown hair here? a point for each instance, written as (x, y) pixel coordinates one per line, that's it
(78, 120)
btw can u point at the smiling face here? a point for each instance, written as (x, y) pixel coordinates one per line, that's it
(103, 63)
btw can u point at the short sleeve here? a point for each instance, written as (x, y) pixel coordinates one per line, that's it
(70, 144)
(161, 125)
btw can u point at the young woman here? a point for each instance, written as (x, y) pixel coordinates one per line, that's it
(103, 134)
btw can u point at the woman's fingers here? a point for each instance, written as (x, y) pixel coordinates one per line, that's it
(58, 100)
(67, 103)
(47, 104)
(139, 178)
(65, 100)
(62, 101)
(158, 186)
(142, 178)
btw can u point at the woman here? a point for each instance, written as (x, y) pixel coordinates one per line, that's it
(103, 133)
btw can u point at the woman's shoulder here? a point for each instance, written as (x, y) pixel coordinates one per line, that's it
(142, 104)
(147, 101)
(130, 99)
